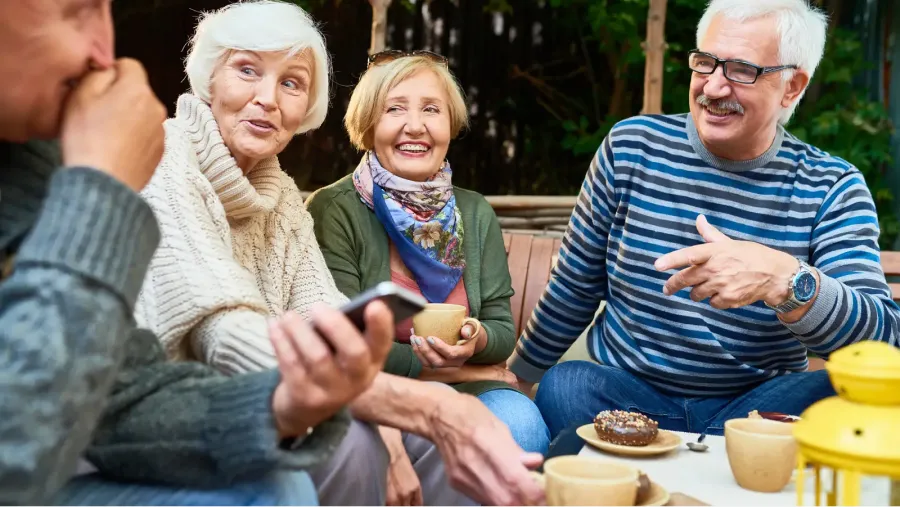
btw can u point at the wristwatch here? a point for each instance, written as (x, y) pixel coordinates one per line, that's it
(802, 288)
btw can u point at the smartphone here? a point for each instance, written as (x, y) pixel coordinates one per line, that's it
(403, 303)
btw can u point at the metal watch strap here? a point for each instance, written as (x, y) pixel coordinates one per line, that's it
(788, 306)
(792, 302)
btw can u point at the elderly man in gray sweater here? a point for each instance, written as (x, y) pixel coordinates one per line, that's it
(78, 382)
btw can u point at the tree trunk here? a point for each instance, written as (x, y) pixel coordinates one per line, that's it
(379, 25)
(619, 105)
(655, 49)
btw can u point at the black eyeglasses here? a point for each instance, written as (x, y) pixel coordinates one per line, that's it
(737, 71)
(393, 54)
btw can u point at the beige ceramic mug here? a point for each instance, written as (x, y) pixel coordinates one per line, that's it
(762, 453)
(584, 480)
(444, 321)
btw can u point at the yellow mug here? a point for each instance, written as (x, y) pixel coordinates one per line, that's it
(444, 321)
(584, 480)
(762, 453)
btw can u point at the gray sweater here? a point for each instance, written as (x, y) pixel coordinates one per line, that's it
(76, 377)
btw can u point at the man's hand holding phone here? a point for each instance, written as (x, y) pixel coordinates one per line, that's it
(326, 362)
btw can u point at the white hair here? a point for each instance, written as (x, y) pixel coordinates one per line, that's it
(801, 26)
(264, 26)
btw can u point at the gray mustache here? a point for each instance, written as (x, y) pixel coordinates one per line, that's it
(727, 105)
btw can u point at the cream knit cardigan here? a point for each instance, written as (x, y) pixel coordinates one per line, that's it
(235, 251)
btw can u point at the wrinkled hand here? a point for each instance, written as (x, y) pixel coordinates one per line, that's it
(480, 456)
(505, 376)
(403, 486)
(113, 122)
(435, 353)
(730, 273)
(325, 368)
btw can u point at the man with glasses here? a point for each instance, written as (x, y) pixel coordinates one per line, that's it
(726, 248)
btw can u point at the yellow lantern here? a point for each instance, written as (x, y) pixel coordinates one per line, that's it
(857, 432)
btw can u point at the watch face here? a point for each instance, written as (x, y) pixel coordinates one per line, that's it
(805, 286)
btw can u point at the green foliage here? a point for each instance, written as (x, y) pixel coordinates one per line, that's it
(612, 33)
(838, 117)
(582, 138)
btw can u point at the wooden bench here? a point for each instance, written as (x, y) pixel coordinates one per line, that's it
(531, 257)
(530, 260)
(890, 263)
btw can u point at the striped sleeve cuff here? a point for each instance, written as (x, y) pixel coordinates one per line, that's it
(523, 369)
(93, 225)
(810, 326)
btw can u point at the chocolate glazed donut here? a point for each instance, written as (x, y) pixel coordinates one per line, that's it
(625, 428)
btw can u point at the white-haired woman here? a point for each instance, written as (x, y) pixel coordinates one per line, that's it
(237, 243)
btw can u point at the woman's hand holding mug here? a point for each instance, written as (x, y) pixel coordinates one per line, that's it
(434, 352)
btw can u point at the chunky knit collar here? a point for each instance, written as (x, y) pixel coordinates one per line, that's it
(242, 196)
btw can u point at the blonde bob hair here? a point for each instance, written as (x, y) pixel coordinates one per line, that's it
(368, 98)
(262, 26)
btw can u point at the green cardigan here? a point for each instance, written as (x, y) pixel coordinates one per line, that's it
(357, 251)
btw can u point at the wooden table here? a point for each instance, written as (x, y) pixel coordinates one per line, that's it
(707, 477)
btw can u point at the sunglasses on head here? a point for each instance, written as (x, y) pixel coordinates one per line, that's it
(393, 54)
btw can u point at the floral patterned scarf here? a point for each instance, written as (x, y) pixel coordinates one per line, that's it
(421, 219)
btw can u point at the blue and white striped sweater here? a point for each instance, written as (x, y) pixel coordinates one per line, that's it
(640, 199)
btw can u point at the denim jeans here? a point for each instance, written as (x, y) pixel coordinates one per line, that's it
(572, 393)
(280, 488)
(521, 416)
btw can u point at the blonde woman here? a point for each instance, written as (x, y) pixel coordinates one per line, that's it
(398, 217)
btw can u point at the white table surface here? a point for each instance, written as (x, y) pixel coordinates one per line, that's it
(707, 477)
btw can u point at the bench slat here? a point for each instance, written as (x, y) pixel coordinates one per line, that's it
(538, 276)
(557, 244)
(890, 263)
(519, 258)
(895, 291)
